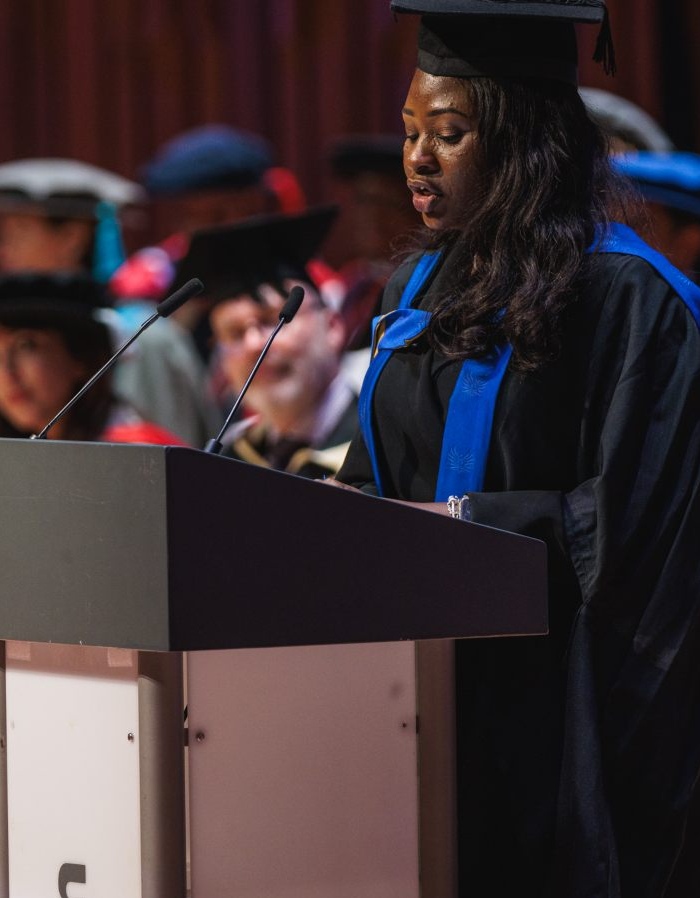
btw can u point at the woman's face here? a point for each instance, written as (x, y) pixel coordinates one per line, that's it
(439, 152)
(37, 376)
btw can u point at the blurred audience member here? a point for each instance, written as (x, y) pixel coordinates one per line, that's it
(670, 185)
(626, 125)
(300, 412)
(62, 215)
(214, 175)
(369, 186)
(54, 334)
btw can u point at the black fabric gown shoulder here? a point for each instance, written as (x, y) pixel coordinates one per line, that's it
(579, 752)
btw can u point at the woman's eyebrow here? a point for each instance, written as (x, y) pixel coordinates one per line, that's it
(442, 110)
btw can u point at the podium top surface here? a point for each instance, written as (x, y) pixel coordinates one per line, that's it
(169, 549)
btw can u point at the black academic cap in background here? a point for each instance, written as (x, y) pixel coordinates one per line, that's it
(64, 188)
(266, 249)
(355, 154)
(207, 158)
(33, 299)
(506, 38)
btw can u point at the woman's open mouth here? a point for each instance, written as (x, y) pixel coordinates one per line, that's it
(425, 196)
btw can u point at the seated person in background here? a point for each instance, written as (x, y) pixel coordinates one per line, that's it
(375, 213)
(626, 126)
(670, 185)
(61, 215)
(213, 175)
(53, 336)
(301, 412)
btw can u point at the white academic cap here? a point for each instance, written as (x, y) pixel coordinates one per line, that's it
(63, 187)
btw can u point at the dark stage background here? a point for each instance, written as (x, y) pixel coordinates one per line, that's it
(106, 81)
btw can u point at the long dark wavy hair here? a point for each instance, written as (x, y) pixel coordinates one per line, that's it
(543, 184)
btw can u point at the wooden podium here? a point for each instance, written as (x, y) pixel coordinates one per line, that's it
(116, 559)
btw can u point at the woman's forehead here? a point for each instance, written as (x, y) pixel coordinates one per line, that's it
(439, 92)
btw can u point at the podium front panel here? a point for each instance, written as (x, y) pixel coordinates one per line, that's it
(74, 804)
(304, 772)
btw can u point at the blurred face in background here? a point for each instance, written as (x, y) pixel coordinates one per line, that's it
(38, 375)
(375, 210)
(35, 243)
(209, 208)
(302, 361)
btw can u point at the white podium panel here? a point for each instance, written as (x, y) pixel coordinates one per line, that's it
(73, 771)
(303, 772)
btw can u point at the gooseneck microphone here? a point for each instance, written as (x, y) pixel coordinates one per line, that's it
(163, 309)
(289, 310)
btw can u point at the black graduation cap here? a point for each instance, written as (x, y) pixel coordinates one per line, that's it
(354, 154)
(33, 299)
(265, 249)
(506, 38)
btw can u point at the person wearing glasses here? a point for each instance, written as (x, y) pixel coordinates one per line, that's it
(300, 411)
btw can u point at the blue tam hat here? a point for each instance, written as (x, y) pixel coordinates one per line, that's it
(672, 179)
(207, 158)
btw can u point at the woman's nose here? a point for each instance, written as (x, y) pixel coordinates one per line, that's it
(419, 158)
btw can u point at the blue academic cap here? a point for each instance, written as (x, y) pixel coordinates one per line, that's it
(206, 158)
(672, 179)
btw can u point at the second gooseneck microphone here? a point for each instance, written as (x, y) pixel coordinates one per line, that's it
(289, 310)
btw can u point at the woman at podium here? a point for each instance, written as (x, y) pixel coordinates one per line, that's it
(537, 368)
(54, 334)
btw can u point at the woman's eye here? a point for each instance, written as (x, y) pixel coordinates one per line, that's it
(412, 138)
(26, 344)
(450, 138)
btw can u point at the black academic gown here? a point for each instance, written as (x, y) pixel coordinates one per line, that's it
(579, 752)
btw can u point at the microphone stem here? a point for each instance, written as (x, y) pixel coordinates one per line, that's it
(215, 447)
(103, 370)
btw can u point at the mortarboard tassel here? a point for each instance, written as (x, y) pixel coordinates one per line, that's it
(604, 48)
(109, 249)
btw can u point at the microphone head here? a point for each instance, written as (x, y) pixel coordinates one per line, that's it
(291, 307)
(173, 302)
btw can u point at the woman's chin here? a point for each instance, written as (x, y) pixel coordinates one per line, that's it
(434, 223)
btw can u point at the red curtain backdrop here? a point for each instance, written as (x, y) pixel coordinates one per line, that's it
(107, 81)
